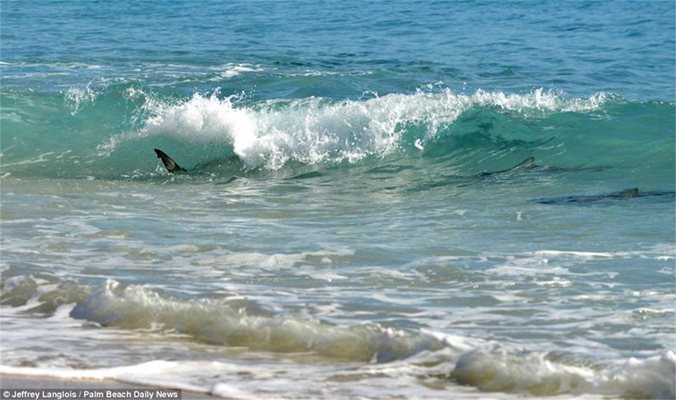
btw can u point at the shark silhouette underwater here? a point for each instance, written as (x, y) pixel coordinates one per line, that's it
(626, 194)
(173, 167)
(526, 165)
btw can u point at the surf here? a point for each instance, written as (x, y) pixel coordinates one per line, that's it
(103, 135)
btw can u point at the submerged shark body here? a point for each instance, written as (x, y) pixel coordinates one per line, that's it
(526, 165)
(173, 167)
(626, 194)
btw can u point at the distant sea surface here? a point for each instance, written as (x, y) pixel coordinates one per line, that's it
(360, 216)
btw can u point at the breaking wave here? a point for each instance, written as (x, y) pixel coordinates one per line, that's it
(317, 130)
(387, 353)
(109, 130)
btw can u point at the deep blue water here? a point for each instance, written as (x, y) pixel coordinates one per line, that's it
(350, 223)
(579, 47)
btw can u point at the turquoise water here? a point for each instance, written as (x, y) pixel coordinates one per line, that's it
(350, 223)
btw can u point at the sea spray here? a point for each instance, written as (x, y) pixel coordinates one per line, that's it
(275, 133)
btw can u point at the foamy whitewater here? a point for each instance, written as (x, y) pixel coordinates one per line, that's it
(359, 217)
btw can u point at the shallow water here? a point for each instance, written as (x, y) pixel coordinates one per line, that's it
(350, 224)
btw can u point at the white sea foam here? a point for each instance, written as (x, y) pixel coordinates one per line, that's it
(411, 356)
(314, 130)
(232, 70)
(494, 370)
(540, 374)
(273, 261)
(218, 322)
(76, 97)
(577, 254)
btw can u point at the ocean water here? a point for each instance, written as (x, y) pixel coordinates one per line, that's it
(355, 220)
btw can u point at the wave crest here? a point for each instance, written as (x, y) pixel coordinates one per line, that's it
(236, 323)
(318, 130)
(425, 355)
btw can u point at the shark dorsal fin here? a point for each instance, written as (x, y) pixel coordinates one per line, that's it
(169, 163)
(526, 164)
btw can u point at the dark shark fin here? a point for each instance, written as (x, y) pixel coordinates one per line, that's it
(169, 163)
